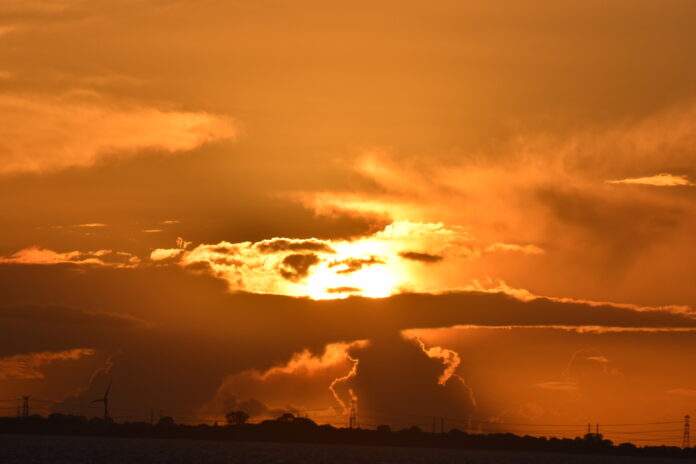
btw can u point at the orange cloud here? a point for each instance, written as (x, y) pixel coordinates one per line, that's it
(688, 392)
(91, 225)
(4, 30)
(377, 265)
(659, 180)
(161, 254)
(47, 133)
(449, 358)
(26, 366)
(590, 329)
(306, 379)
(525, 249)
(37, 255)
(489, 285)
(538, 194)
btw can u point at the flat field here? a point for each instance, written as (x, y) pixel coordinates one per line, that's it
(16, 449)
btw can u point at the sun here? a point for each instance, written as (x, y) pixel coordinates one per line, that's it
(371, 275)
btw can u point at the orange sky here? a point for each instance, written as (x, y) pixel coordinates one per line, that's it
(478, 210)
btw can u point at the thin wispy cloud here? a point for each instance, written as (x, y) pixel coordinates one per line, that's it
(44, 133)
(659, 180)
(91, 225)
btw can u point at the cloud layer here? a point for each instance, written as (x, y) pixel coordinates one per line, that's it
(46, 133)
(378, 265)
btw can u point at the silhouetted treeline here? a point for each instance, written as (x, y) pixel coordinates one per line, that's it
(292, 429)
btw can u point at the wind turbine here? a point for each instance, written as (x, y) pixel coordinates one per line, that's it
(105, 400)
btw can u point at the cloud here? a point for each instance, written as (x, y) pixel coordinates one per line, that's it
(388, 364)
(581, 329)
(419, 256)
(525, 249)
(26, 366)
(449, 358)
(687, 392)
(350, 265)
(324, 385)
(161, 254)
(586, 368)
(37, 255)
(370, 262)
(296, 267)
(66, 316)
(283, 244)
(47, 133)
(6, 29)
(659, 180)
(37, 6)
(304, 382)
(558, 385)
(537, 194)
(344, 290)
(90, 225)
(157, 368)
(51, 327)
(587, 361)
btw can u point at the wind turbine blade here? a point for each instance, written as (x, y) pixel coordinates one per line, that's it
(107, 389)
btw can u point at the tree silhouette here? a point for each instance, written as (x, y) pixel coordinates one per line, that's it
(166, 421)
(238, 417)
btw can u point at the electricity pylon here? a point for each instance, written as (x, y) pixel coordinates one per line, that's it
(353, 420)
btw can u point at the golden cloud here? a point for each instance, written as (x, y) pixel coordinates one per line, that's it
(659, 180)
(308, 378)
(375, 265)
(688, 392)
(26, 366)
(47, 133)
(38, 255)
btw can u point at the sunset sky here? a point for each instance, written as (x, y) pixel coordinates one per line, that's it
(482, 211)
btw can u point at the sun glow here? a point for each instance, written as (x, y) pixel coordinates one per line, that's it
(359, 268)
(387, 262)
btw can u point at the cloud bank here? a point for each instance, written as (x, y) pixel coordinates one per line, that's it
(40, 133)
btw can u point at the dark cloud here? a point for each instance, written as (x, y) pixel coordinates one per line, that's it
(281, 244)
(67, 316)
(226, 261)
(198, 333)
(343, 290)
(224, 249)
(355, 264)
(296, 267)
(422, 257)
(34, 328)
(386, 366)
(620, 228)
